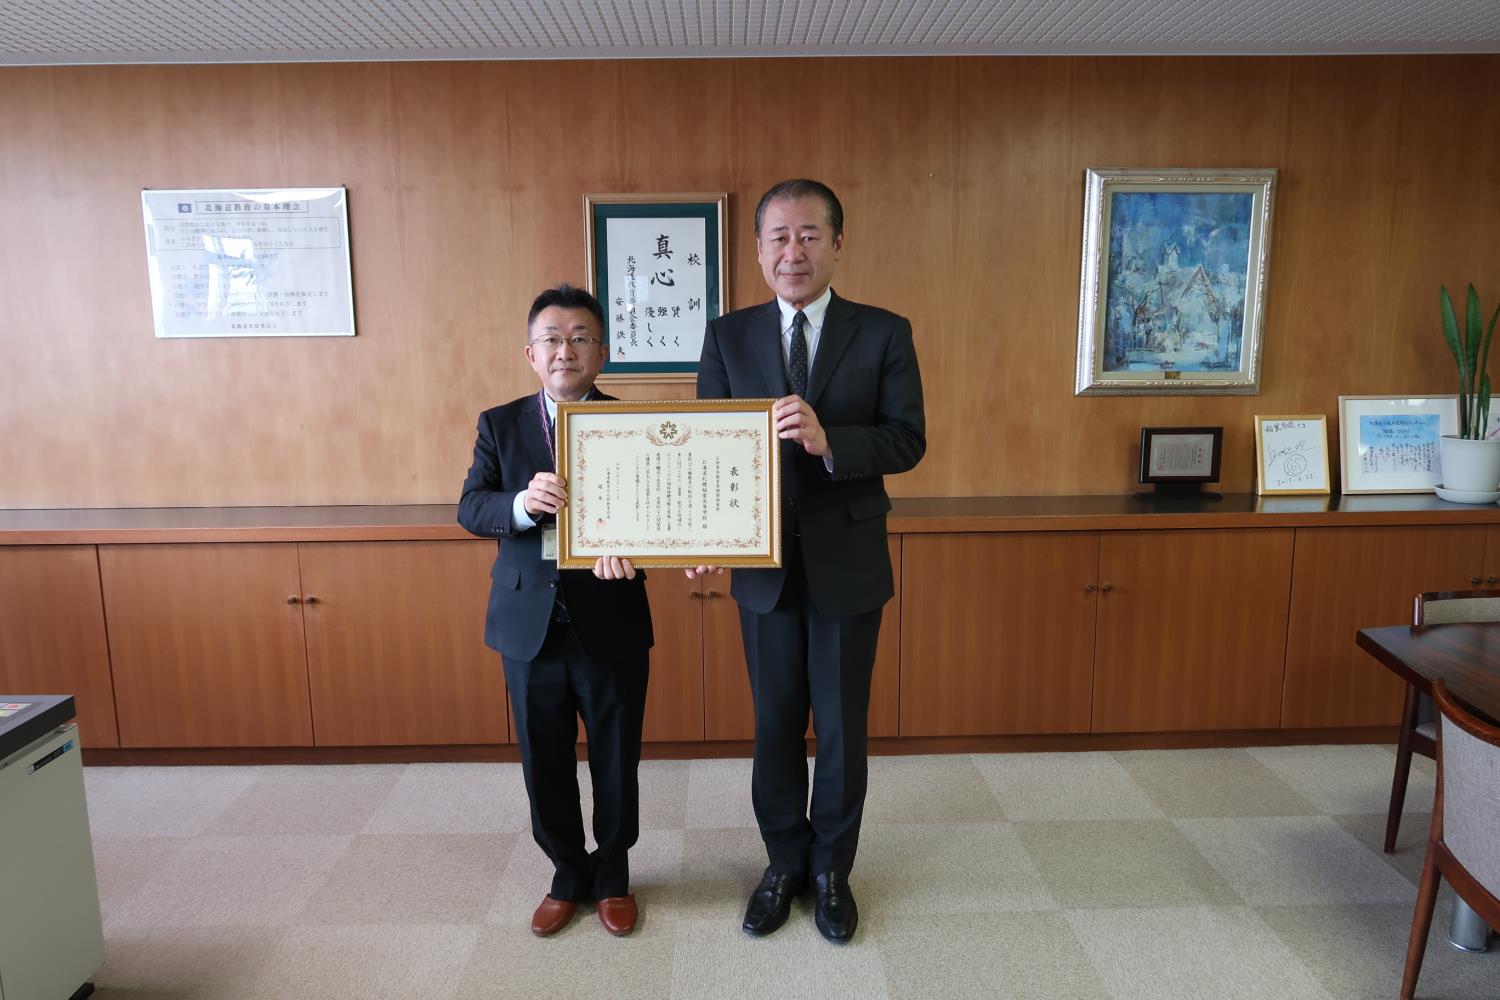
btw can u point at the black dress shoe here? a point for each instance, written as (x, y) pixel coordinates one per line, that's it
(835, 913)
(771, 902)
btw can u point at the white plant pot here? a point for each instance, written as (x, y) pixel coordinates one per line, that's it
(1472, 466)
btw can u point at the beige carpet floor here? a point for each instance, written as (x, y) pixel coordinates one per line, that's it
(1151, 875)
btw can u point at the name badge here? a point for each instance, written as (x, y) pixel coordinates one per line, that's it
(549, 543)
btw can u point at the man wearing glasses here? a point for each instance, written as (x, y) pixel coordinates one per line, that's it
(573, 642)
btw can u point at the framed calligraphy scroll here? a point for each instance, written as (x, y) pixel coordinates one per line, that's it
(656, 264)
(670, 483)
(1389, 444)
(1291, 454)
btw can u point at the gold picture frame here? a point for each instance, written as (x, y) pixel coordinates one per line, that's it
(670, 483)
(1291, 455)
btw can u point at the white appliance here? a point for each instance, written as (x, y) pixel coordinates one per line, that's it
(51, 938)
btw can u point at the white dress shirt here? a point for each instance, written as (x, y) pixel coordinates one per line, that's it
(814, 313)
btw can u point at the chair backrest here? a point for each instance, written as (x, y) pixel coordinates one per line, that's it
(1444, 607)
(1469, 770)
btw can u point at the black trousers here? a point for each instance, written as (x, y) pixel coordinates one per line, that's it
(547, 695)
(799, 659)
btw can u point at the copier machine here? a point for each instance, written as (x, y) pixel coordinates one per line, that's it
(51, 939)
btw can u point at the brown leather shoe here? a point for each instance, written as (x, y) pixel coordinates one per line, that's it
(618, 914)
(552, 916)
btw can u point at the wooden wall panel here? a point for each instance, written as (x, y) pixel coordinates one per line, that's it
(963, 183)
(52, 637)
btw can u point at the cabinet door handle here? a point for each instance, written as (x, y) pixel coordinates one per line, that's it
(311, 599)
(1089, 588)
(711, 594)
(1493, 580)
(1473, 581)
(294, 599)
(694, 595)
(1107, 587)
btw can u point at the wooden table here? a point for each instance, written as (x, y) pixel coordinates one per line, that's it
(1466, 657)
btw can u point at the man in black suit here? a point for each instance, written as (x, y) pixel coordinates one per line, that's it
(849, 412)
(573, 643)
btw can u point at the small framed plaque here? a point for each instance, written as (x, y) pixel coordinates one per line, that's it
(1172, 455)
(670, 483)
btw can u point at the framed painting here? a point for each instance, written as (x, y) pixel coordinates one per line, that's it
(656, 264)
(1390, 444)
(1173, 281)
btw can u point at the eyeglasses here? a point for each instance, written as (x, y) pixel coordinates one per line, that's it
(553, 343)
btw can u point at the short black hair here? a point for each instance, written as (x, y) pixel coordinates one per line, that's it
(802, 188)
(568, 297)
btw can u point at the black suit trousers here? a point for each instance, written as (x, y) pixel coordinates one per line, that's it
(547, 696)
(799, 659)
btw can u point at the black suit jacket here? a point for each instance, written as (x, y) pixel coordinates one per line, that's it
(866, 389)
(610, 617)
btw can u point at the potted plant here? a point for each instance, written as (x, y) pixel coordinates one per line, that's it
(1470, 462)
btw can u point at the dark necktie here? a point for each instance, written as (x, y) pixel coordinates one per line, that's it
(796, 369)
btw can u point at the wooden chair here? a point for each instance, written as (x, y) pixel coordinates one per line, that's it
(1417, 717)
(1464, 843)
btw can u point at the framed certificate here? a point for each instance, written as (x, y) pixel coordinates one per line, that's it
(670, 483)
(1181, 454)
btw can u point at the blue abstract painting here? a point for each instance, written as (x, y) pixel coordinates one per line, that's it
(1178, 265)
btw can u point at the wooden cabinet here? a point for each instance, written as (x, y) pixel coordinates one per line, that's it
(207, 645)
(395, 644)
(52, 637)
(1013, 616)
(1347, 579)
(281, 644)
(1491, 574)
(1191, 629)
(997, 632)
(1070, 632)
(674, 691)
(674, 694)
(728, 712)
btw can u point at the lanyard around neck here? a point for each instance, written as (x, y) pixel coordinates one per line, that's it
(541, 409)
